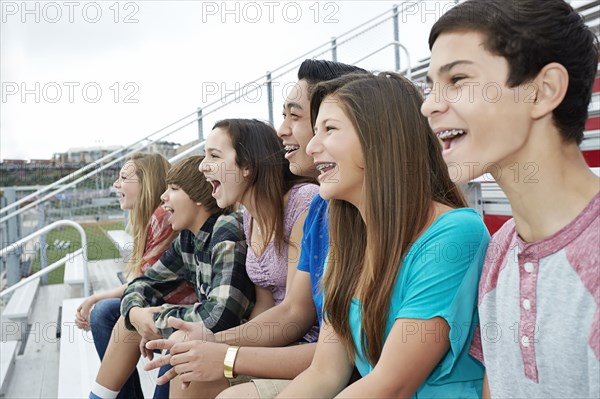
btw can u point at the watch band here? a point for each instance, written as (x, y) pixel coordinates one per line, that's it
(230, 361)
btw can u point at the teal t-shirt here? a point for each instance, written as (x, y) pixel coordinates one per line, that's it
(439, 278)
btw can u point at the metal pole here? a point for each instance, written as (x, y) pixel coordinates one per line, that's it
(43, 253)
(472, 191)
(334, 49)
(200, 128)
(396, 38)
(270, 96)
(97, 178)
(2, 234)
(13, 264)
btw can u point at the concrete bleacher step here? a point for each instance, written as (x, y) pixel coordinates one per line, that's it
(34, 372)
(79, 362)
(15, 316)
(8, 350)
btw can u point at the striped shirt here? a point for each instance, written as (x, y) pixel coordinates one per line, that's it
(213, 261)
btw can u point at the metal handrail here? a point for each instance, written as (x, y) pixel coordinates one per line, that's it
(185, 153)
(58, 182)
(90, 174)
(90, 166)
(393, 43)
(55, 265)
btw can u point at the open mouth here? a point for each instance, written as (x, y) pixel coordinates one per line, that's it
(290, 149)
(216, 185)
(450, 137)
(170, 211)
(324, 169)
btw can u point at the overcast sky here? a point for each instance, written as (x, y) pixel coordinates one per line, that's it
(79, 74)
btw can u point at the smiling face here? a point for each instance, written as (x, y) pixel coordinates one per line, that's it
(296, 130)
(482, 123)
(222, 171)
(128, 186)
(337, 154)
(184, 212)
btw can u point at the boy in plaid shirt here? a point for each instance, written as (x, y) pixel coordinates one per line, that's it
(210, 253)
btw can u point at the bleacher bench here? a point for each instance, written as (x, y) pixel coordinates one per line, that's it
(123, 241)
(79, 363)
(18, 310)
(74, 275)
(8, 350)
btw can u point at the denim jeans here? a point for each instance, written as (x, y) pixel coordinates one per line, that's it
(162, 391)
(103, 318)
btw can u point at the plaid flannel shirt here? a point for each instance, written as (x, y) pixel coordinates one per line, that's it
(214, 262)
(159, 230)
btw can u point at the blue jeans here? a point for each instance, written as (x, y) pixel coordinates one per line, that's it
(103, 318)
(162, 391)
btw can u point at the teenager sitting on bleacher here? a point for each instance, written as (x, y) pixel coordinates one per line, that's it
(210, 253)
(540, 289)
(141, 181)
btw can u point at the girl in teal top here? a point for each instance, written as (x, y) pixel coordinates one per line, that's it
(405, 252)
(439, 278)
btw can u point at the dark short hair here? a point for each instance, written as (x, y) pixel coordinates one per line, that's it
(530, 34)
(315, 71)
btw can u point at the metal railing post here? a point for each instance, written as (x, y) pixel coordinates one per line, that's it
(43, 249)
(200, 125)
(472, 191)
(396, 38)
(270, 96)
(13, 260)
(334, 49)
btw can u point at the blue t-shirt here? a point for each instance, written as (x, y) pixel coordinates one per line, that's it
(315, 244)
(439, 278)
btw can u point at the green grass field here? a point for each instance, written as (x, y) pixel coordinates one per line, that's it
(99, 246)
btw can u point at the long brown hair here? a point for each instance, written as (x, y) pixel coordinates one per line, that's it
(258, 148)
(151, 171)
(404, 174)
